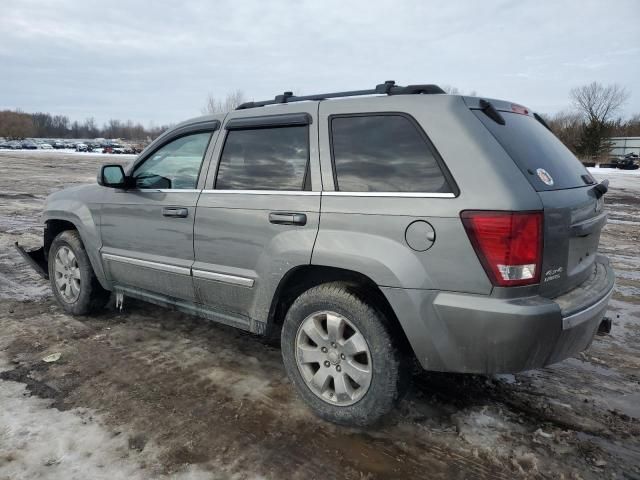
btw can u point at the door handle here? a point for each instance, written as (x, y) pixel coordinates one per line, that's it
(176, 212)
(279, 218)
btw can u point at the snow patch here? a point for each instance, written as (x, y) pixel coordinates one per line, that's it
(66, 151)
(623, 179)
(483, 426)
(37, 441)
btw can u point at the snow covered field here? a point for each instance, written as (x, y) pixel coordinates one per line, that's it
(147, 393)
(63, 152)
(617, 178)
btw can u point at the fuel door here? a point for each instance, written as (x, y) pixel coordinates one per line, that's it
(420, 235)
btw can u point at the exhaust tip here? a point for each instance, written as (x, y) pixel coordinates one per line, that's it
(605, 326)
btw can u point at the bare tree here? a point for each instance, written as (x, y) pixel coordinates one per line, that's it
(597, 102)
(567, 126)
(15, 125)
(451, 90)
(230, 102)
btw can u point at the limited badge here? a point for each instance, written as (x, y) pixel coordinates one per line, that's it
(544, 176)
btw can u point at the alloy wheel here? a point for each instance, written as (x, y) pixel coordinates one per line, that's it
(67, 274)
(334, 358)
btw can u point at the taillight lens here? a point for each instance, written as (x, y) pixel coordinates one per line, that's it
(508, 244)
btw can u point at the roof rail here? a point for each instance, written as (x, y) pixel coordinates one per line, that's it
(387, 88)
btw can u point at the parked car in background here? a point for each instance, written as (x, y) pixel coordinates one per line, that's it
(45, 146)
(628, 162)
(81, 147)
(367, 233)
(58, 145)
(29, 145)
(114, 148)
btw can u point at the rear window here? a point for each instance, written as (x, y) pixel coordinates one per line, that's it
(264, 159)
(533, 147)
(383, 153)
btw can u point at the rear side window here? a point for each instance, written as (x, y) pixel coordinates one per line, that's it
(264, 159)
(383, 153)
(532, 147)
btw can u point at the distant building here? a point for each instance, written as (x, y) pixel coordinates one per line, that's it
(621, 146)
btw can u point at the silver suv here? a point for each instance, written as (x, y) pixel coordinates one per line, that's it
(397, 224)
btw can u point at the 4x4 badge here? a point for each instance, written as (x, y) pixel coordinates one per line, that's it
(544, 176)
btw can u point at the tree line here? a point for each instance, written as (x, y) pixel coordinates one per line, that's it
(593, 118)
(17, 125)
(585, 128)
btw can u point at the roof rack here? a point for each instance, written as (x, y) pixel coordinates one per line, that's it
(387, 88)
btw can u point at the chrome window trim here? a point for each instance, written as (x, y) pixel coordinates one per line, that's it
(389, 194)
(264, 192)
(335, 194)
(223, 277)
(148, 264)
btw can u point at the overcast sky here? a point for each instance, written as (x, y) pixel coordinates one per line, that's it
(156, 61)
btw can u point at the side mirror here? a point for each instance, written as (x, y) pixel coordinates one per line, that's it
(112, 176)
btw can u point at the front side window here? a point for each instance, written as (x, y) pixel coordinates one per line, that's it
(264, 159)
(383, 153)
(175, 165)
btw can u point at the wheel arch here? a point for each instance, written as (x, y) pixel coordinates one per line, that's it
(302, 278)
(55, 226)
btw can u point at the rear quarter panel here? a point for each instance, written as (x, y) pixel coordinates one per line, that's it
(366, 233)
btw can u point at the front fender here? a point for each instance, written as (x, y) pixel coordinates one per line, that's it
(72, 205)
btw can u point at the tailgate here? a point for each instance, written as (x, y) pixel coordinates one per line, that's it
(573, 209)
(573, 220)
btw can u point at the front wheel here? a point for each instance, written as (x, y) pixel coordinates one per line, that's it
(340, 355)
(73, 281)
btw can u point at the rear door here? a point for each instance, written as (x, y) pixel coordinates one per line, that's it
(573, 213)
(147, 231)
(258, 217)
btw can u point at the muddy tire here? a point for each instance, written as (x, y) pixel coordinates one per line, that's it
(341, 357)
(73, 281)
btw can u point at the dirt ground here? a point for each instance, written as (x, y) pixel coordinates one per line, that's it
(150, 393)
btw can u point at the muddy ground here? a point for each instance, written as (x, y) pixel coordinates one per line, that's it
(149, 393)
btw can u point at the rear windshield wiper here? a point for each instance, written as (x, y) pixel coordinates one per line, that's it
(541, 120)
(490, 111)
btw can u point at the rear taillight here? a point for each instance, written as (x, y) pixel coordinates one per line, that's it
(508, 244)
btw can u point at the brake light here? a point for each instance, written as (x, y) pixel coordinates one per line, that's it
(508, 244)
(515, 108)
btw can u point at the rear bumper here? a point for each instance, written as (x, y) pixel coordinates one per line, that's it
(458, 332)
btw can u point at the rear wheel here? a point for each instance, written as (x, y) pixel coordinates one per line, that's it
(73, 281)
(340, 355)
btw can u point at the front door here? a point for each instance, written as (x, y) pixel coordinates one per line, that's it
(147, 231)
(258, 217)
